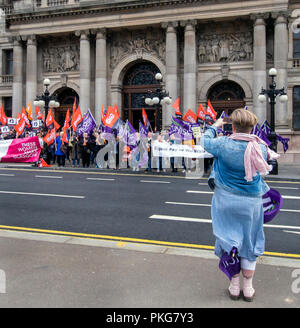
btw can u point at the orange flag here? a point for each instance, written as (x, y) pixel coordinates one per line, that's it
(50, 137)
(39, 115)
(20, 126)
(25, 117)
(77, 118)
(201, 113)
(29, 111)
(210, 110)
(67, 120)
(190, 116)
(3, 118)
(49, 118)
(176, 106)
(111, 117)
(56, 125)
(145, 117)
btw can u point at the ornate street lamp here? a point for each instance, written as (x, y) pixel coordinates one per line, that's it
(45, 100)
(272, 94)
(158, 97)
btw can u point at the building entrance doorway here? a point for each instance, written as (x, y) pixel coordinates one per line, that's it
(226, 96)
(138, 82)
(65, 97)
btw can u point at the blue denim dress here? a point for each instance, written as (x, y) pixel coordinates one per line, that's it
(237, 210)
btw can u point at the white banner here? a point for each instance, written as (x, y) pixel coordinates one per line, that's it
(161, 149)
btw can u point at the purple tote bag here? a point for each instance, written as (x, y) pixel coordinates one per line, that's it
(272, 203)
(230, 263)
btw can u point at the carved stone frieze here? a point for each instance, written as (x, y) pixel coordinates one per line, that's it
(137, 44)
(61, 57)
(227, 46)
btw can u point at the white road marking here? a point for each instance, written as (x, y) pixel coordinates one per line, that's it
(187, 204)
(290, 197)
(48, 176)
(179, 218)
(39, 194)
(7, 175)
(199, 192)
(100, 179)
(289, 188)
(296, 232)
(211, 192)
(209, 205)
(198, 220)
(154, 181)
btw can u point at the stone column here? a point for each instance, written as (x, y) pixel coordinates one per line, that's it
(171, 78)
(101, 74)
(259, 65)
(190, 66)
(31, 70)
(280, 63)
(17, 99)
(85, 70)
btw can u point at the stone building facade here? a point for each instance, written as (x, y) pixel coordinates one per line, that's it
(107, 52)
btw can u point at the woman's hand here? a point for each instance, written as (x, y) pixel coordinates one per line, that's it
(218, 123)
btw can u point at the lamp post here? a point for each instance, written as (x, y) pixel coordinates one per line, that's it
(272, 94)
(45, 100)
(159, 97)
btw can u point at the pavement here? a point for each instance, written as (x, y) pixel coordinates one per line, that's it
(63, 271)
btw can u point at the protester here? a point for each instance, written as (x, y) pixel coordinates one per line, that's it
(60, 150)
(74, 153)
(237, 210)
(85, 150)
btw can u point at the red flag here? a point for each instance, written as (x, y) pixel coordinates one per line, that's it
(20, 127)
(49, 118)
(24, 117)
(190, 116)
(65, 136)
(39, 115)
(176, 106)
(201, 113)
(77, 118)
(145, 117)
(74, 106)
(102, 114)
(50, 137)
(67, 120)
(56, 125)
(210, 111)
(3, 117)
(111, 117)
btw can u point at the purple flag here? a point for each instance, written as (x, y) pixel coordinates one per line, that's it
(265, 127)
(87, 125)
(284, 141)
(182, 129)
(143, 130)
(223, 115)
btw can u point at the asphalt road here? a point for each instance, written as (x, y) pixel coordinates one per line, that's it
(136, 206)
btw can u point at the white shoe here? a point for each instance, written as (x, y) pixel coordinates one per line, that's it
(234, 288)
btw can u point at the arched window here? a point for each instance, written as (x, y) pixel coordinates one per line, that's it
(138, 81)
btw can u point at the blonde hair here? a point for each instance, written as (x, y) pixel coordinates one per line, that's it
(243, 120)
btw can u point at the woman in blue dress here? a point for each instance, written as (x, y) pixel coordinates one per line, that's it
(237, 210)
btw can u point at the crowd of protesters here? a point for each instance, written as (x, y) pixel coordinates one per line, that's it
(81, 151)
